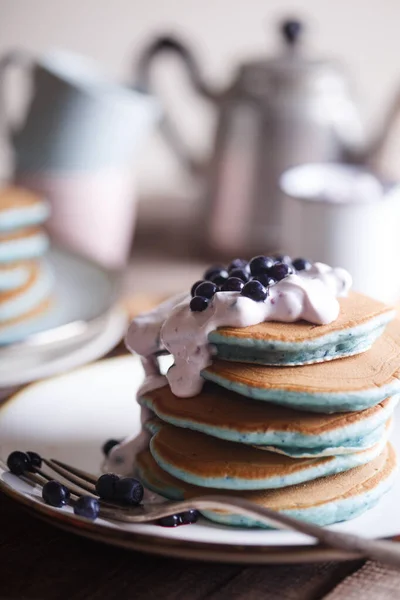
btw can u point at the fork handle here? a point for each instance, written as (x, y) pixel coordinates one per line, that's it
(384, 551)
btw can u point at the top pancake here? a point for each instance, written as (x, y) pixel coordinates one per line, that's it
(355, 310)
(377, 368)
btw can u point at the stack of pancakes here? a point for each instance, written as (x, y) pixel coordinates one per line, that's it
(25, 281)
(282, 423)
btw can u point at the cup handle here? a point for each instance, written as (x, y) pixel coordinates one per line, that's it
(13, 58)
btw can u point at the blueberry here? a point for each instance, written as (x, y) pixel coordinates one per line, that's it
(240, 274)
(219, 278)
(129, 491)
(194, 286)
(18, 462)
(108, 446)
(206, 289)
(255, 290)
(105, 486)
(279, 271)
(214, 270)
(232, 284)
(35, 460)
(55, 494)
(88, 507)
(260, 264)
(301, 264)
(190, 516)
(198, 304)
(266, 280)
(284, 258)
(238, 263)
(171, 521)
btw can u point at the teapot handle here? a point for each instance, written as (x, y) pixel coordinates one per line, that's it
(169, 130)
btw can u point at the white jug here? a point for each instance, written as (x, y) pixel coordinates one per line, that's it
(77, 146)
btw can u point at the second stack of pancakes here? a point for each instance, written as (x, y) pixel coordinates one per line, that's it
(308, 437)
(25, 280)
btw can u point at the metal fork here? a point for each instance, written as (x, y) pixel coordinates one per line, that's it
(83, 483)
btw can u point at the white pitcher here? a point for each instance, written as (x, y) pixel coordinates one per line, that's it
(345, 216)
(77, 146)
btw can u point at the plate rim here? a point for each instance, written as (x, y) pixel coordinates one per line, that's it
(165, 546)
(176, 548)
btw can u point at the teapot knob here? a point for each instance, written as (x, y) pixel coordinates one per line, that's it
(291, 31)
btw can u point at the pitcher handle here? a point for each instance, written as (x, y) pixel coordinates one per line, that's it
(13, 58)
(169, 130)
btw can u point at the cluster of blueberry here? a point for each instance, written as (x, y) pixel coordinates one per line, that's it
(109, 487)
(251, 278)
(54, 493)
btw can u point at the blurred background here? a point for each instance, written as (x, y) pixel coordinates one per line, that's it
(169, 135)
(183, 220)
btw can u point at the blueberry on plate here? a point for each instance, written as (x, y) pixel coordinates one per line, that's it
(88, 507)
(265, 279)
(214, 270)
(55, 494)
(255, 291)
(190, 516)
(198, 304)
(238, 263)
(279, 271)
(105, 486)
(129, 491)
(18, 462)
(240, 274)
(232, 284)
(260, 264)
(207, 289)
(194, 286)
(108, 446)
(171, 521)
(301, 264)
(35, 460)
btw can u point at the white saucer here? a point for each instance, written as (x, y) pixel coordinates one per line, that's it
(70, 416)
(83, 325)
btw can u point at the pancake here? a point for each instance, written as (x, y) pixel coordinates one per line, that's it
(350, 384)
(361, 321)
(323, 501)
(210, 462)
(16, 303)
(21, 208)
(21, 245)
(227, 415)
(30, 323)
(14, 275)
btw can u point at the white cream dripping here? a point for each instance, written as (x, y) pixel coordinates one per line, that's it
(310, 295)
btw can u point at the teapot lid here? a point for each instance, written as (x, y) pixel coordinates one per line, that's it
(291, 66)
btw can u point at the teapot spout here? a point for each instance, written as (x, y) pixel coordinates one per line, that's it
(377, 145)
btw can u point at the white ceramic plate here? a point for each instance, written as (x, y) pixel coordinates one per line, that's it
(82, 325)
(70, 416)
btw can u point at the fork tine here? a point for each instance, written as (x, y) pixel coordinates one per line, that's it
(78, 472)
(71, 477)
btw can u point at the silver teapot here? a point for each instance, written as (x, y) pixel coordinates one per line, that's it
(276, 113)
